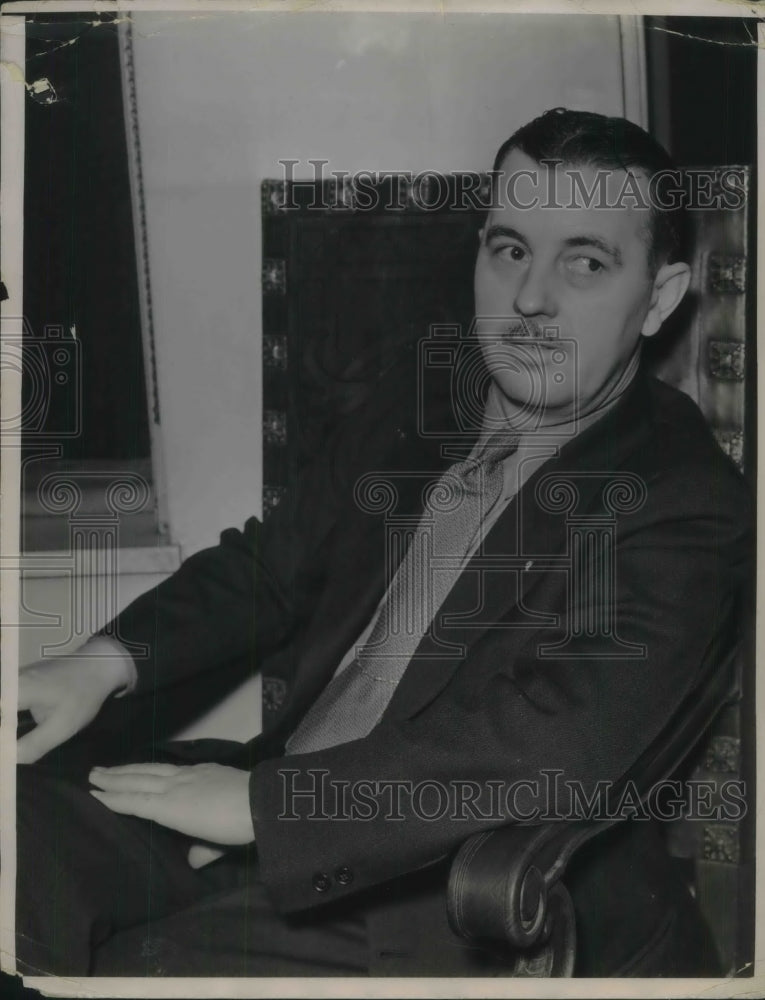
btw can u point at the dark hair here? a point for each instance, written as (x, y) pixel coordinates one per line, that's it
(585, 138)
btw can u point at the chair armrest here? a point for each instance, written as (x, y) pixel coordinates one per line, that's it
(504, 886)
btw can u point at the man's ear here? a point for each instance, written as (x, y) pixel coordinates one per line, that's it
(669, 287)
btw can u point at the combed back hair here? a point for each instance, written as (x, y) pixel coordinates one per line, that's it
(583, 138)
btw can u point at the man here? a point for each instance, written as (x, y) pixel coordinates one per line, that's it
(490, 682)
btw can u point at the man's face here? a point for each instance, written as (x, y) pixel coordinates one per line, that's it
(576, 271)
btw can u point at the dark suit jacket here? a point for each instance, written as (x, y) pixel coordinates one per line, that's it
(495, 708)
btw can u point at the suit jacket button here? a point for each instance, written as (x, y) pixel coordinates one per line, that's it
(344, 875)
(321, 881)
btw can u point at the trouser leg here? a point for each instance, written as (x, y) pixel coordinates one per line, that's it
(103, 894)
(84, 872)
(237, 932)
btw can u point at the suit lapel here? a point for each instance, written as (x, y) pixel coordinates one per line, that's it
(532, 529)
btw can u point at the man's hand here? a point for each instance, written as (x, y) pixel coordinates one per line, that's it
(65, 694)
(207, 801)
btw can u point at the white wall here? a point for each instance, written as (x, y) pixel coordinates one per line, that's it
(222, 97)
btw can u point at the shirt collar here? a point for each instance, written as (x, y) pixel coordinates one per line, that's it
(553, 438)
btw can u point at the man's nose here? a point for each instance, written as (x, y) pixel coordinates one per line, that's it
(535, 294)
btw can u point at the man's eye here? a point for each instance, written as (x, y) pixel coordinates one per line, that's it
(511, 252)
(585, 265)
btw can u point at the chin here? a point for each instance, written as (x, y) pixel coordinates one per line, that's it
(529, 408)
(521, 400)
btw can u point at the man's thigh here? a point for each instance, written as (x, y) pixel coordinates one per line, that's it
(237, 932)
(104, 894)
(83, 872)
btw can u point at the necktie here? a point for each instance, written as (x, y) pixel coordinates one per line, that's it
(355, 699)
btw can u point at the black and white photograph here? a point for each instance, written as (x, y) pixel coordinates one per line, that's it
(378, 497)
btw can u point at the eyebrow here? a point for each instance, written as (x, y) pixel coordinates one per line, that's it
(590, 240)
(494, 232)
(585, 240)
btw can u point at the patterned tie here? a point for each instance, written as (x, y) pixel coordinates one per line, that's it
(353, 702)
